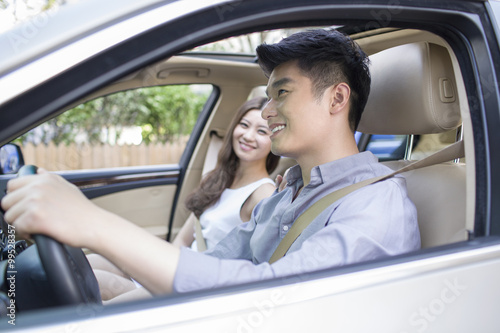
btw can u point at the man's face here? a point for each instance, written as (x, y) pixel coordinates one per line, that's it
(295, 116)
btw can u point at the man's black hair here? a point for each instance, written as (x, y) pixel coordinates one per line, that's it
(327, 57)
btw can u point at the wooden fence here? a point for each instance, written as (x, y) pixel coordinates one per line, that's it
(85, 156)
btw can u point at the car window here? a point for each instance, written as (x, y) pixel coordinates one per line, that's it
(385, 147)
(145, 126)
(429, 144)
(393, 147)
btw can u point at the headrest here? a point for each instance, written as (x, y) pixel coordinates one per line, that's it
(413, 91)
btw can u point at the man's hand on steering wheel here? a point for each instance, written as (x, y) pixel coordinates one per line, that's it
(40, 207)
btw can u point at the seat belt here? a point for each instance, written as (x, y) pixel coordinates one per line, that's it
(451, 152)
(214, 146)
(201, 244)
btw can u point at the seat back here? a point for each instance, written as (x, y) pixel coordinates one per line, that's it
(414, 92)
(438, 192)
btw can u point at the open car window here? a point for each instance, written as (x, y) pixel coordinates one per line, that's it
(138, 127)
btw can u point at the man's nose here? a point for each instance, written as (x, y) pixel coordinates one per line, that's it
(268, 110)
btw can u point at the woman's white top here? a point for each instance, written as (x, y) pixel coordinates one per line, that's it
(219, 219)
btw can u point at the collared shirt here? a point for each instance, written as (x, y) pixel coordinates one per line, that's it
(376, 221)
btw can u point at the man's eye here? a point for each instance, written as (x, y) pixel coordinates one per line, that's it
(281, 92)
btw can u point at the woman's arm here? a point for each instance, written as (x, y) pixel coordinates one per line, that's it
(262, 192)
(185, 237)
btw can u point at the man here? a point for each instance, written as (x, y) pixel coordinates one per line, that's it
(318, 86)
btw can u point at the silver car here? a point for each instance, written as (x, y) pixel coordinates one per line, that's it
(435, 82)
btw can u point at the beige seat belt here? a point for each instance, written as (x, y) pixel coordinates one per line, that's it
(201, 244)
(451, 152)
(214, 146)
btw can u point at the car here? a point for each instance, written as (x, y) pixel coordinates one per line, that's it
(433, 76)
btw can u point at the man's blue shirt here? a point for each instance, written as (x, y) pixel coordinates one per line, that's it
(376, 221)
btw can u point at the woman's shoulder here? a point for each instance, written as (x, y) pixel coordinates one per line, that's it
(253, 185)
(261, 192)
(264, 181)
(264, 190)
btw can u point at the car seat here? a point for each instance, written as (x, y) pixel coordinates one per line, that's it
(414, 92)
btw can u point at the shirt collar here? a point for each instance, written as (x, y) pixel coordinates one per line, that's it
(332, 171)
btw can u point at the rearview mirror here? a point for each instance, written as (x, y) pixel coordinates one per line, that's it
(11, 159)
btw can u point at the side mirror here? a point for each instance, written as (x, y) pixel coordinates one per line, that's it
(11, 159)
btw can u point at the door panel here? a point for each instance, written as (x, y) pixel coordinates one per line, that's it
(142, 195)
(147, 207)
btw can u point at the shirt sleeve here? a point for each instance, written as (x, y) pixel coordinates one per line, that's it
(364, 227)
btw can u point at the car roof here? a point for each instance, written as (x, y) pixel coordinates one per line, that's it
(86, 32)
(42, 33)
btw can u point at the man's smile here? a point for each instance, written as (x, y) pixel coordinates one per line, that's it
(276, 128)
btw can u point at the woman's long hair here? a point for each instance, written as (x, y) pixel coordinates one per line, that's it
(216, 181)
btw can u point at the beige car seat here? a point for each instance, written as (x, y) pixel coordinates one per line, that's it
(414, 92)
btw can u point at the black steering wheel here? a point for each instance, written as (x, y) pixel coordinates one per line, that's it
(69, 277)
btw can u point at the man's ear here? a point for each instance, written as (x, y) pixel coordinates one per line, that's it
(340, 97)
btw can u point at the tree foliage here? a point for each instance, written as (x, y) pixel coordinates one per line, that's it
(167, 112)
(162, 113)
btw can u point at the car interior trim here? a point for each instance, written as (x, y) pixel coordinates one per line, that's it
(101, 182)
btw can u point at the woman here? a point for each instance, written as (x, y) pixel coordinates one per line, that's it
(224, 198)
(228, 194)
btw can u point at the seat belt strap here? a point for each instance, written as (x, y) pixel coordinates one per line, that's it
(213, 149)
(451, 152)
(201, 244)
(214, 146)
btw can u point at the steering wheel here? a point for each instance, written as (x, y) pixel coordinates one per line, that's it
(68, 272)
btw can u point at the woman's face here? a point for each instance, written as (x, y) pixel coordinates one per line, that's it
(251, 140)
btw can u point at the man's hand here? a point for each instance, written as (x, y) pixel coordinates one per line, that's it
(47, 204)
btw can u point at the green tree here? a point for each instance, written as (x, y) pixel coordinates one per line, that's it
(163, 113)
(168, 112)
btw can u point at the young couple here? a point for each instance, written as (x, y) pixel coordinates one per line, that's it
(225, 198)
(318, 86)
